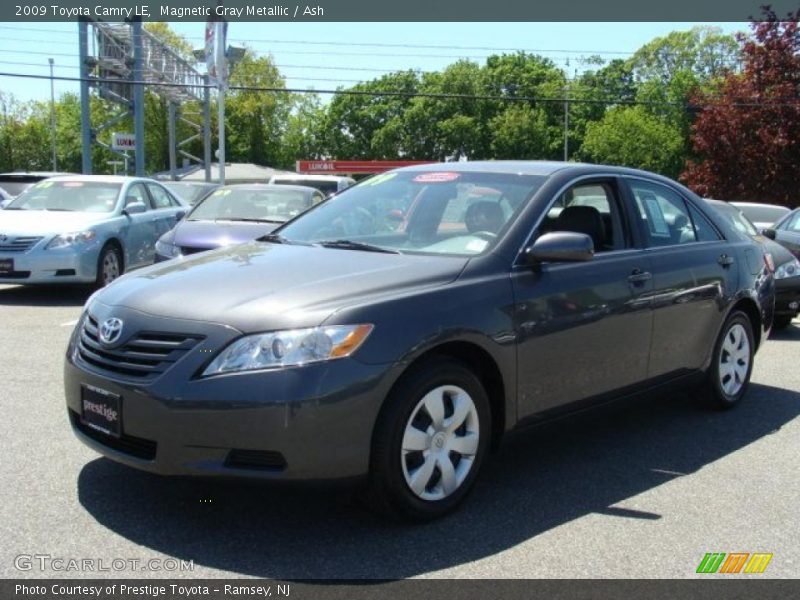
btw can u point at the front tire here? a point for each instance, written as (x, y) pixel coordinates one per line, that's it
(732, 364)
(109, 265)
(429, 441)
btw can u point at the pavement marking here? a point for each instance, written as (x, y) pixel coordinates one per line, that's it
(69, 323)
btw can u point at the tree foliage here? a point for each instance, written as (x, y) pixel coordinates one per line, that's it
(632, 136)
(747, 136)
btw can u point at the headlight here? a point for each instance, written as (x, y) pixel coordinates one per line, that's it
(289, 348)
(165, 249)
(788, 269)
(69, 239)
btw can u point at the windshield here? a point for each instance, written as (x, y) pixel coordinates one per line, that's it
(326, 187)
(78, 196)
(273, 204)
(453, 213)
(736, 218)
(15, 187)
(189, 192)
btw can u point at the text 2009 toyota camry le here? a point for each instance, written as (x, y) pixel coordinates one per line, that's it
(398, 329)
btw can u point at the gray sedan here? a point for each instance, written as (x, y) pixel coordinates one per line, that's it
(84, 229)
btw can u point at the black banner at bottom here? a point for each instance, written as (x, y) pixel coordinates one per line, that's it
(422, 589)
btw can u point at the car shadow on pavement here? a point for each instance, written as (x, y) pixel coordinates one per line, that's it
(791, 333)
(537, 481)
(45, 295)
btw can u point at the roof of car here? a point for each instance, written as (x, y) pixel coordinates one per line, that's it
(309, 176)
(523, 167)
(759, 204)
(269, 186)
(102, 178)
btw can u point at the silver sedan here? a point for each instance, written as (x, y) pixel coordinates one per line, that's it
(84, 229)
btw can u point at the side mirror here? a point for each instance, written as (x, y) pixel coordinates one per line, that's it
(769, 233)
(180, 215)
(134, 208)
(560, 246)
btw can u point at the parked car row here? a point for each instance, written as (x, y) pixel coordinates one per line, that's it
(92, 229)
(395, 332)
(787, 266)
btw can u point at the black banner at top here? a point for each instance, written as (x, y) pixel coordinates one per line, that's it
(405, 11)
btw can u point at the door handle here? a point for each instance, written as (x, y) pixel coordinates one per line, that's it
(639, 276)
(725, 260)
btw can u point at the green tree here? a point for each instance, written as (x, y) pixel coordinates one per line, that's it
(634, 137)
(256, 119)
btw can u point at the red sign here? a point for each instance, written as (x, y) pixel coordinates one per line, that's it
(336, 167)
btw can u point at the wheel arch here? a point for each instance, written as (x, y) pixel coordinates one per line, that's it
(114, 241)
(485, 366)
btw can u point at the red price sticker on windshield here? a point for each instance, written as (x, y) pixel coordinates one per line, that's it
(435, 177)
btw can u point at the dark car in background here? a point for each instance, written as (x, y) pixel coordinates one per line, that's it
(191, 192)
(18, 181)
(349, 343)
(787, 232)
(787, 266)
(234, 214)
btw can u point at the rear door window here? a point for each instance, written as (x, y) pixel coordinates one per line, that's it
(667, 218)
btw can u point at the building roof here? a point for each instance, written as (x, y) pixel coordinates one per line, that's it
(234, 173)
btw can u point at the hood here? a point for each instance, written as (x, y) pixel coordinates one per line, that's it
(260, 286)
(213, 234)
(44, 222)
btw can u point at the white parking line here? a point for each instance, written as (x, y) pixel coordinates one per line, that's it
(69, 323)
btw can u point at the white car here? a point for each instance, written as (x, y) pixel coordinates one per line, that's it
(327, 184)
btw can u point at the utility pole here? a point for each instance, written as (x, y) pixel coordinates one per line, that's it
(86, 121)
(221, 86)
(566, 123)
(53, 113)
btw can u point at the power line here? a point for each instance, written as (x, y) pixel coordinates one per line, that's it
(586, 52)
(433, 95)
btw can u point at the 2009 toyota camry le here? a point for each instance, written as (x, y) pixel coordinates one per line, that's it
(399, 329)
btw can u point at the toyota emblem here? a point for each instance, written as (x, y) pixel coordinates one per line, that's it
(110, 330)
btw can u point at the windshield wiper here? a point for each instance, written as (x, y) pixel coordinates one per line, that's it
(276, 238)
(59, 210)
(14, 208)
(250, 220)
(352, 245)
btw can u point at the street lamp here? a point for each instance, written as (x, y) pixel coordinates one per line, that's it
(53, 113)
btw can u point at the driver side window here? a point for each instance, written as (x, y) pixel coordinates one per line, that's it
(592, 209)
(136, 193)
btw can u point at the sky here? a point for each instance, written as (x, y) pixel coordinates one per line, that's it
(328, 55)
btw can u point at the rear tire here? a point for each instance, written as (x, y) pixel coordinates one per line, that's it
(109, 265)
(429, 441)
(728, 376)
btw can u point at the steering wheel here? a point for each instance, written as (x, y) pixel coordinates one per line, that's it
(486, 235)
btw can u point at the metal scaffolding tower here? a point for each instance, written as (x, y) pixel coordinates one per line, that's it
(115, 55)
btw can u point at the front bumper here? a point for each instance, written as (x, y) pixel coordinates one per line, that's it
(787, 296)
(305, 423)
(60, 265)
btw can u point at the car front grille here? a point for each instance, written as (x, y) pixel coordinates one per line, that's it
(127, 444)
(186, 250)
(18, 244)
(145, 356)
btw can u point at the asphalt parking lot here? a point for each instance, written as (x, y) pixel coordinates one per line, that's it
(640, 489)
